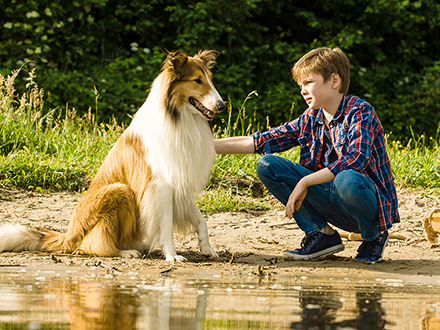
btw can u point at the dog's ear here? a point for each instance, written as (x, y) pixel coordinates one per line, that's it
(207, 56)
(175, 61)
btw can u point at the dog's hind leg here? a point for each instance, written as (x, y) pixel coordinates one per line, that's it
(112, 218)
(198, 221)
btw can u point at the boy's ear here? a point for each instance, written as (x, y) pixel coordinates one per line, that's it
(336, 80)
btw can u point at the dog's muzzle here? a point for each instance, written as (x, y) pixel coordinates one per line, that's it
(221, 106)
(207, 113)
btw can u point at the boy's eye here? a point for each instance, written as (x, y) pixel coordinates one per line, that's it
(198, 81)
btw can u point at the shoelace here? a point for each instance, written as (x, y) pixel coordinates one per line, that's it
(307, 241)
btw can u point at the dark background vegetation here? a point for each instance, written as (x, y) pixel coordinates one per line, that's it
(118, 46)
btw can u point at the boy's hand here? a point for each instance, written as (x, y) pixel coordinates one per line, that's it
(299, 193)
(296, 198)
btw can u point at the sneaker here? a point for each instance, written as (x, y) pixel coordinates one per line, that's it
(372, 252)
(318, 245)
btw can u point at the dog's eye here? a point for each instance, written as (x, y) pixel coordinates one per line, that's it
(199, 81)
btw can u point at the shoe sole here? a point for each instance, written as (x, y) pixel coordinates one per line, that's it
(323, 253)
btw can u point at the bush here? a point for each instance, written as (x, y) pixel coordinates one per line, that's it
(117, 47)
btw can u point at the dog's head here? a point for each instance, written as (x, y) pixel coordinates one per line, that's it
(190, 83)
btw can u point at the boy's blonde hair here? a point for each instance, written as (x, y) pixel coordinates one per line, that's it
(324, 61)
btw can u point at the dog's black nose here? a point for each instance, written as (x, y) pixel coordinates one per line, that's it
(221, 105)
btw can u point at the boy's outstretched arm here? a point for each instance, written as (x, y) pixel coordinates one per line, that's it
(299, 193)
(235, 145)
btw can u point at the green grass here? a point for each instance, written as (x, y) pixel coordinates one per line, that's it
(55, 150)
(417, 163)
(58, 150)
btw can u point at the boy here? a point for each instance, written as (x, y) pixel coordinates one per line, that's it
(344, 175)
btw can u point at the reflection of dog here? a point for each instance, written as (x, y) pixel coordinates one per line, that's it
(99, 303)
(148, 180)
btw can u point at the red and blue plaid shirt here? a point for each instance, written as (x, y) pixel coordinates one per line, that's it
(358, 138)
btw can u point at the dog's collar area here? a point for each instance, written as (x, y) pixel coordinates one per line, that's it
(208, 114)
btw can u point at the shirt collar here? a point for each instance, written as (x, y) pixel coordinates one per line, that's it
(341, 108)
(338, 114)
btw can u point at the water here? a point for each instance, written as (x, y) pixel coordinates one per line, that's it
(98, 299)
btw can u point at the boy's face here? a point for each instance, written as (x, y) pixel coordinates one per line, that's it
(316, 92)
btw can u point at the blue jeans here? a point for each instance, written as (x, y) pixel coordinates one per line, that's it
(348, 202)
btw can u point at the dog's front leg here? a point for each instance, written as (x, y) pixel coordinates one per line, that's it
(199, 223)
(166, 201)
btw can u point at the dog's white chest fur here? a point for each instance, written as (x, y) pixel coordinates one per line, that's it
(180, 152)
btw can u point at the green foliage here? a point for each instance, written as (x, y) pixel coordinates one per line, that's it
(114, 49)
(51, 151)
(416, 164)
(229, 199)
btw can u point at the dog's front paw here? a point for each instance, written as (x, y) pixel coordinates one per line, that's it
(129, 254)
(209, 252)
(174, 258)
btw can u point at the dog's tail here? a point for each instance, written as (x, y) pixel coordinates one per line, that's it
(15, 238)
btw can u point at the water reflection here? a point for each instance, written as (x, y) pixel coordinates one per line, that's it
(94, 300)
(371, 313)
(320, 311)
(91, 306)
(137, 306)
(431, 317)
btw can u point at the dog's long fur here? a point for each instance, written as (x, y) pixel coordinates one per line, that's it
(148, 180)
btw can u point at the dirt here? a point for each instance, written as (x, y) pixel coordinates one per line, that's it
(250, 242)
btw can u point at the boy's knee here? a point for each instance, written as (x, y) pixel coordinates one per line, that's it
(351, 183)
(264, 164)
(345, 178)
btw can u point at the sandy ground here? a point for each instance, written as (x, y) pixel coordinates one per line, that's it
(247, 242)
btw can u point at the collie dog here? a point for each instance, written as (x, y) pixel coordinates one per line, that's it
(147, 182)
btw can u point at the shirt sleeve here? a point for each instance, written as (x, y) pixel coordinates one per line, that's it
(359, 140)
(277, 139)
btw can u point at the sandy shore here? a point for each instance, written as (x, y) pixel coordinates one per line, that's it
(249, 242)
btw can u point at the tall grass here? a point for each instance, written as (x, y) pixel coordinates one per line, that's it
(52, 150)
(58, 150)
(417, 163)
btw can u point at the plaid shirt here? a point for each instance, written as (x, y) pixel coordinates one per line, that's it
(358, 138)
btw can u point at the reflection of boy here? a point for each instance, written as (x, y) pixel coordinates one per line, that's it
(344, 175)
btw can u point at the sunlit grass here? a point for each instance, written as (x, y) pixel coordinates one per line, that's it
(417, 163)
(58, 150)
(54, 150)
(229, 199)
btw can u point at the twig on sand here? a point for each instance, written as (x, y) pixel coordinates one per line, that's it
(282, 224)
(55, 259)
(166, 272)
(100, 264)
(232, 258)
(358, 237)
